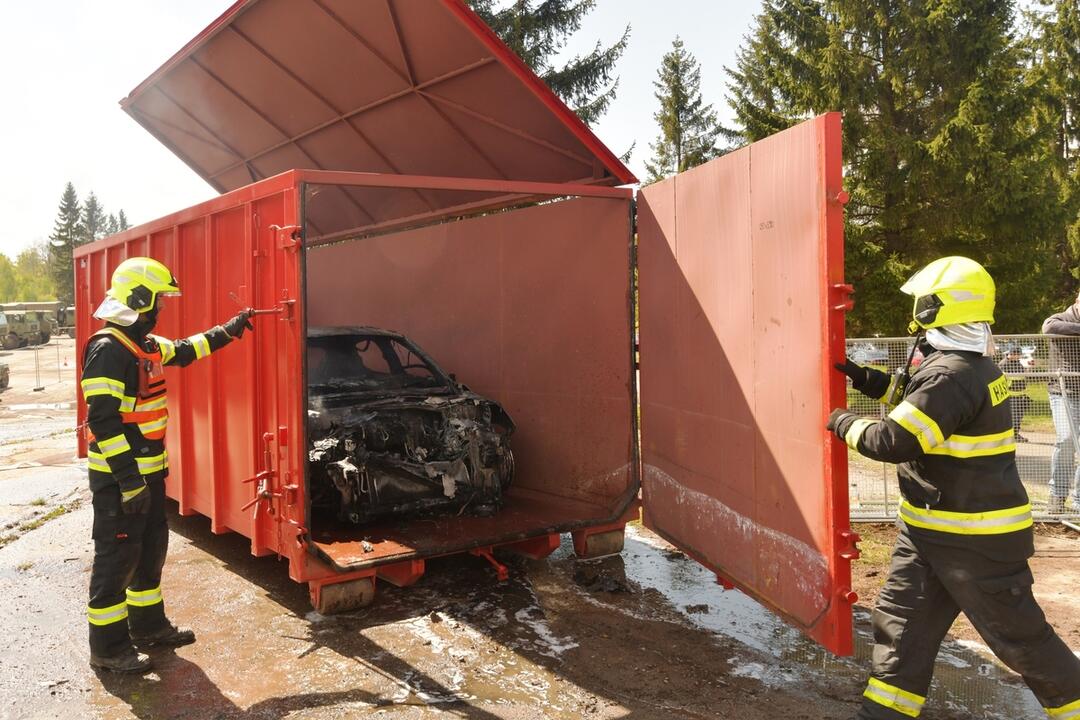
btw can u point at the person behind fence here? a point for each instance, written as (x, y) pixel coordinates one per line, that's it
(965, 525)
(1018, 399)
(1064, 390)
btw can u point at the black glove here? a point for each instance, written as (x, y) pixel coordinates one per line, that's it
(134, 497)
(856, 372)
(840, 421)
(238, 324)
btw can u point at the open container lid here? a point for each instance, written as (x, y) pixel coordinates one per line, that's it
(386, 86)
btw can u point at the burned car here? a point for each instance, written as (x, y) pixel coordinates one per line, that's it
(390, 433)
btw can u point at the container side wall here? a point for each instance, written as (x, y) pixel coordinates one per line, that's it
(222, 407)
(530, 308)
(737, 261)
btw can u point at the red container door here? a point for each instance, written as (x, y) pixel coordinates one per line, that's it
(235, 437)
(741, 308)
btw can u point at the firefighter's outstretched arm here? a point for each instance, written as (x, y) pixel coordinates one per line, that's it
(103, 388)
(186, 351)
(922, 423)
(871, 382)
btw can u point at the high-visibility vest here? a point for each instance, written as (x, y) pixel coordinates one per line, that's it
(148, 410)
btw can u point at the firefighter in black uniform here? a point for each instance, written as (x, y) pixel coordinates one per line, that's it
(965, 520)
(124, 388)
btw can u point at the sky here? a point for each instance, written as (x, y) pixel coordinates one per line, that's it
(65, 65)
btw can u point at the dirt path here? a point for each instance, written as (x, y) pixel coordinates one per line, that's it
(1056, 567)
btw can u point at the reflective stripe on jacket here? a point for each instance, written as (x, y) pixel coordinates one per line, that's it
(952, 437)
(127, 406)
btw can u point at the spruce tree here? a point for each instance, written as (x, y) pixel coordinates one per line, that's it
(67, 233)
(112, 225)
(94, 220)
(1054, 56)
(538, 29)
(688, 127)
(940, 151)
(122, 221)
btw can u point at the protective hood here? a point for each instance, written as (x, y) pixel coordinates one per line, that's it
(967, 337)
(114, 311)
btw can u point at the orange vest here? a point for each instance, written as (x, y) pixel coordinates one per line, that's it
(150, 412)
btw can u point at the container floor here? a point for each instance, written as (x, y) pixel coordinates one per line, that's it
(526, 513)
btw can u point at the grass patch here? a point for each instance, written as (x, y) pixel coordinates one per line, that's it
(875, 543)
(35, 523)
(24, 565)
(38, 502)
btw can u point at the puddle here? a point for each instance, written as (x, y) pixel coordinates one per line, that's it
(966, 677)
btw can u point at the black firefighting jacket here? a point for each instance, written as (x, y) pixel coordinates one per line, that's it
(952, 438)
(120, 453)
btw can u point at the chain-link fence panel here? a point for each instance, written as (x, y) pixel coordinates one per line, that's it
(1044, 375)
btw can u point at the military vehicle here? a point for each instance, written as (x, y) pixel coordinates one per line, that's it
(29, 323)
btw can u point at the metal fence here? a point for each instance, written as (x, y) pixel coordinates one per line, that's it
(1044, 374)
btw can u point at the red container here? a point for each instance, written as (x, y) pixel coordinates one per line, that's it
(530, 303)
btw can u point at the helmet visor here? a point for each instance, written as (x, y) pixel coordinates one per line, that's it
(926, 309)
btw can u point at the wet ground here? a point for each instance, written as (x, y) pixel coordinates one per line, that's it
(645, 635)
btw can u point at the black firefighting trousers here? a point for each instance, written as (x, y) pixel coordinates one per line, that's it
(929, 584)
(125, 582)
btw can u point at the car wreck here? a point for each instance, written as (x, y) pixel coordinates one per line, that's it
(392, 434)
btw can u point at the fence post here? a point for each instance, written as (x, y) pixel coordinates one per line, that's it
(37, 368)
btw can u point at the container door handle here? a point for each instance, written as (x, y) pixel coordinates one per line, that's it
(263, 478)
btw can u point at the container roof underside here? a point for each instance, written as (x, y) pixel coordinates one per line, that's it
(384, 86)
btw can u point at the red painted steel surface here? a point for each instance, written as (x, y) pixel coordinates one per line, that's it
(221, 407)
(392, 86)
(497, 301)
(739, 328)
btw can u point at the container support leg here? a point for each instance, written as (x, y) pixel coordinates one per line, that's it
(501, 571)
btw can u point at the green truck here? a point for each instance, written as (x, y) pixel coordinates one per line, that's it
(29, 323)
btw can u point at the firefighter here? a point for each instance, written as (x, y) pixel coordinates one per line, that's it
(124, 388)
(965, 526)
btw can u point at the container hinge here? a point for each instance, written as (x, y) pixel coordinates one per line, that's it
(840, 297)
(848, 550)
(289, 237)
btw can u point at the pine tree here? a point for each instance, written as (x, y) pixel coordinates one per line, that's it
(67, 233)
(93, 220)
(122, 221)
(112, 225)
(941, 153)
(1054, 57)
(688, 127)
(538, 29)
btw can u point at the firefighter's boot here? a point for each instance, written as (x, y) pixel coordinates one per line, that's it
(128, 661)
(170, 635)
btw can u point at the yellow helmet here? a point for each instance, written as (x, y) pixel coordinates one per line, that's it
(951, 291)
(139, 281)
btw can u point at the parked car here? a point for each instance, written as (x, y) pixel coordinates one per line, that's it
(392, 433)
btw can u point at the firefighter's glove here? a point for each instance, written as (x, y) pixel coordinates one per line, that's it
(856, 372)
(238, 324)
(134, 497)
(840, 421)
